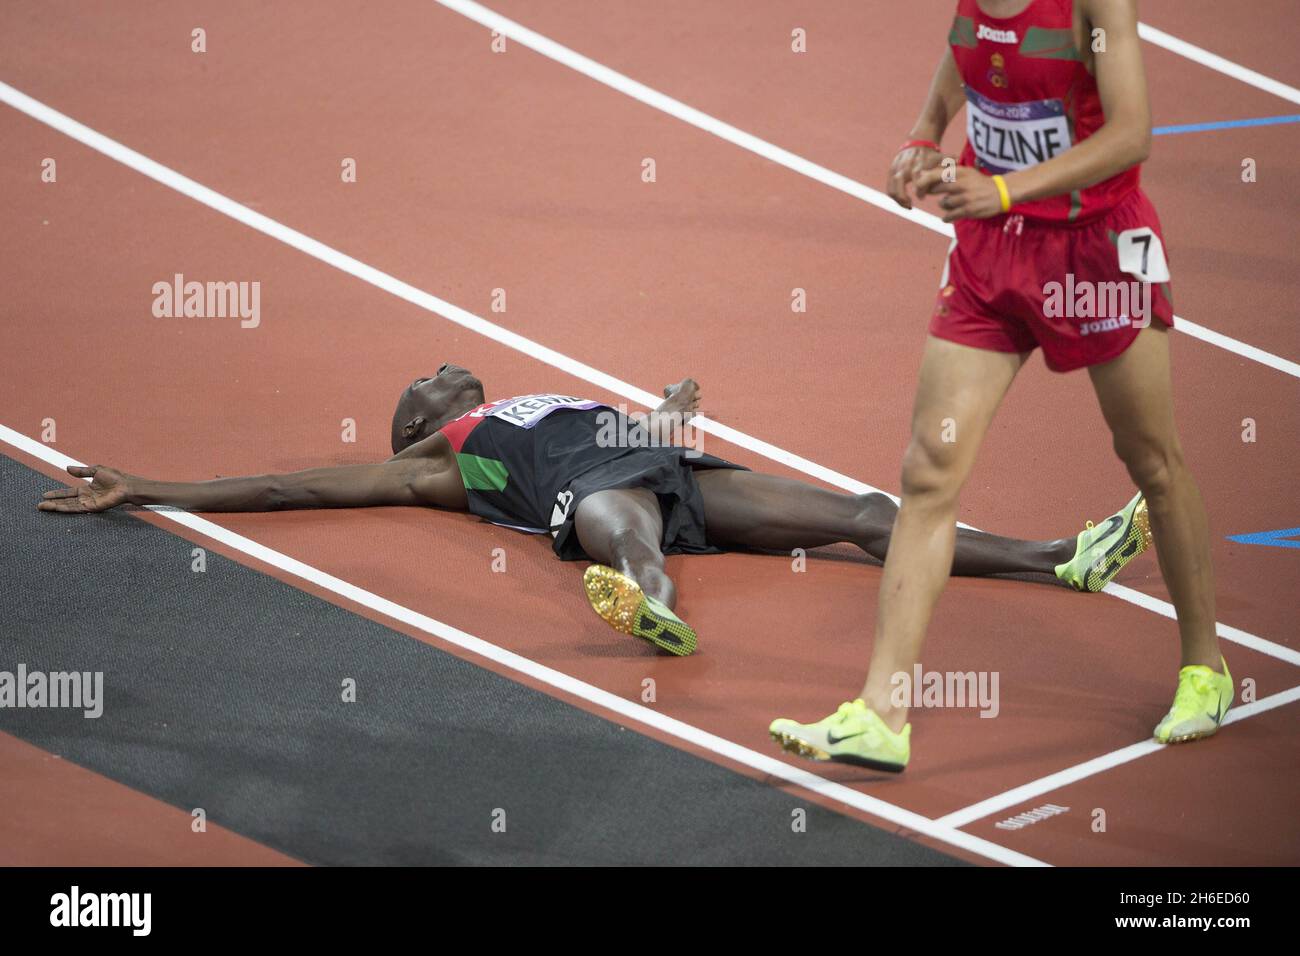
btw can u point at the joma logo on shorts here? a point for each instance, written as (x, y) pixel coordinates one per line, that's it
(1104, 325)
(1107, 305)
(997, 36)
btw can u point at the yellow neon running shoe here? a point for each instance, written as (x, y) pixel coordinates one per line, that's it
(1200, 704)
(853, 734)
(626, 608)
(1103, 551)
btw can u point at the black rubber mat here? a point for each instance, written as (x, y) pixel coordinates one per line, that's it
(222, 690)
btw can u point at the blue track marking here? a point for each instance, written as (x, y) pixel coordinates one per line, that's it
(1276, 539)
(1224, 124)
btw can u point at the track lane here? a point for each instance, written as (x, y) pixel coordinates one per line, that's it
(1180, 814)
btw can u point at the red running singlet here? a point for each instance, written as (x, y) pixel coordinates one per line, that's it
(1029, 98)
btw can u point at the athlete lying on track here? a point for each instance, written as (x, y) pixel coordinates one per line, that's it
(607, 487)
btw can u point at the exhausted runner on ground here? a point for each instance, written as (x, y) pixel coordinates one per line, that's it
(607, 487)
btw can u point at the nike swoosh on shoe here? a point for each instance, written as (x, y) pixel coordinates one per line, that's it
(831, 738)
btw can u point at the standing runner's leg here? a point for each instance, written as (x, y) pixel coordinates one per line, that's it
(1136, 399)
(624, 528)
(959, 390)
(746, 509)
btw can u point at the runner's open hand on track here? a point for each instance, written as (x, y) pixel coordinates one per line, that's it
(906, 168)
(970, 194)
(107, 489)
(683, 398)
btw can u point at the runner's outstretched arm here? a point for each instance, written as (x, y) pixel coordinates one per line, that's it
(419, 481)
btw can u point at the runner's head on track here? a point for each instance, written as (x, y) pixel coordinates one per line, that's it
(429, 403)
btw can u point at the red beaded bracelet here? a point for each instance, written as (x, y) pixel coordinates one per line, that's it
(918, 142)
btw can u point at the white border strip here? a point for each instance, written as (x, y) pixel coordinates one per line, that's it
(1236, 635)
(1055, 781)
(1234, 345)
(804, 167)
(560, 681)
(1215, 62)
(431, 303)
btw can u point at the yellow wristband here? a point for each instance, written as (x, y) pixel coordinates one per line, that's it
(1003, 192)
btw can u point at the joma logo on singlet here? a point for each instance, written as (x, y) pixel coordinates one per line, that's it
(997, 36)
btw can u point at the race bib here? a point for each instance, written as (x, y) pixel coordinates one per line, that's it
(527, 410)
(1142, 254)
(1012, 136)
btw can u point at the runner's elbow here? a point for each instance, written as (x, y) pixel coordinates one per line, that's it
(1134, 140)
(1141, 144)
(1130, 143)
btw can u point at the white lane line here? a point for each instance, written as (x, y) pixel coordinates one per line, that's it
(1055, 781)
(625, 709)
(688, 114)
(1235, 345)
(1215, 62)
(747, 141)
(431, 303)
(1233, 634)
